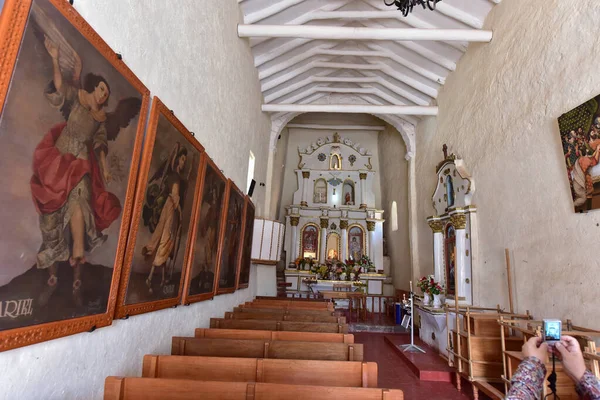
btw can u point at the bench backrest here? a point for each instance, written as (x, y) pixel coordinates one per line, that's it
(291, 304)
(274, 335)
(119, 388)
(296, 299)
(284, 311)
(287, 350)
(282, 317)
(266, 325)
(296, 372)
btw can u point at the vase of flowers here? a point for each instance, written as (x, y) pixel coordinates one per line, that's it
(366, 264)
(349, 269)
(425, 285)
(436, 291)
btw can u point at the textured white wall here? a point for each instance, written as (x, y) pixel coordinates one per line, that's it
(499, 111)
(394, 187)
(276, 185)
(187, 53)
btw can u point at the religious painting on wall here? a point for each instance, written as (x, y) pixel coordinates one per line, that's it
(71, 128)
(333, 246)
(450, 259)
(200, 280)
(580, 136)
(244, 279)
(356, 242)
(166, 196)
(232, 241)
(310, 241)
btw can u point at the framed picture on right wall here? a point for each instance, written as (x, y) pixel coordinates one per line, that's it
(580, 137)
(244, 274)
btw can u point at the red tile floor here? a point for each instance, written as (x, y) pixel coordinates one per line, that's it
(394, 373)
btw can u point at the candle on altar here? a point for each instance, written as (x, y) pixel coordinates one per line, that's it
(410, 285)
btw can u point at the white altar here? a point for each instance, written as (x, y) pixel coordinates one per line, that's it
(333, 215)
(432, 328)
(374, 282)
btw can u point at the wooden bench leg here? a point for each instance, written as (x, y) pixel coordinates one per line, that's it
(475, 392)
(458, 382)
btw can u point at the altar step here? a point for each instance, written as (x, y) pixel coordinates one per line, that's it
(428, 367)
(374, 328)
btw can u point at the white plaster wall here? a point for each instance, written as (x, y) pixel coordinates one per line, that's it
(394, 187)
(189, 55)
(499, 111)
(275, 188)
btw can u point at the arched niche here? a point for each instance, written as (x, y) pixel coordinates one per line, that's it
(357, 242)
(449, 258)
(348, 193)
(320, 191)
(449, 191)
(333, 246)
(309, 241)
(335, 162)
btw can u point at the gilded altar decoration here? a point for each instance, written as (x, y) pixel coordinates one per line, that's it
(580, 136)
(294, 221)
(370, 226)
(158, 247)
(71, 128)
(436, 226)
(324, 223)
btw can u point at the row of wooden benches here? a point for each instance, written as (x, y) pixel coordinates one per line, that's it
(320, 361)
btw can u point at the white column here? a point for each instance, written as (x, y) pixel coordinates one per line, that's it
(371, 244)
(437, 227)
(344, 230)
(460, 221)
(323, 246)
(305, 176)
(294, 238)
(363, 189)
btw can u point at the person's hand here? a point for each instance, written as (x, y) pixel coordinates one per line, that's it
(107, 176)
(571, 357)
(534, 347)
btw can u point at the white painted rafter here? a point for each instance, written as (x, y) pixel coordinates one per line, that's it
(351, 109)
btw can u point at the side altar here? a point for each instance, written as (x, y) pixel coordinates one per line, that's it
(333, 217)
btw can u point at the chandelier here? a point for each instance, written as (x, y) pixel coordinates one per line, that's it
(406, 6)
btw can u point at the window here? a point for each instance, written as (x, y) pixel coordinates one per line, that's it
(394, 216)
(251, 162)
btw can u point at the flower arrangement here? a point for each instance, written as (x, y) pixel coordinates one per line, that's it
(366, 263)
(429, 286)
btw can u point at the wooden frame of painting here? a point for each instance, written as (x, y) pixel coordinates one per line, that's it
(201, 276)
(231, 240)
(164, 210)
(74, 232)
(243, 278)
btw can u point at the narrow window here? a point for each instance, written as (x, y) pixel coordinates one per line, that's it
(251, 161)
(394, 216)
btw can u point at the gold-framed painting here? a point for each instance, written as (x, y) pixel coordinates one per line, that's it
(231, 241)
(201, 276)
(71, 129)
(243, 280)
(164, 212)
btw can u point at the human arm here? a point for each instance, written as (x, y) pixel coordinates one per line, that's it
(587, 385)
(527, 383)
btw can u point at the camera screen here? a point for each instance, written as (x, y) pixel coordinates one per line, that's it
(552, 330)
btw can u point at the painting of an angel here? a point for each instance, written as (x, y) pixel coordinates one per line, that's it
(201, 280)
(71, 129)
(157, 256)
(230, 253)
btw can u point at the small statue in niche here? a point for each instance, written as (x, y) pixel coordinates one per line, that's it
(336, 162)
(348, 198)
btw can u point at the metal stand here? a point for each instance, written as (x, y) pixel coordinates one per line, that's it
(412, 347)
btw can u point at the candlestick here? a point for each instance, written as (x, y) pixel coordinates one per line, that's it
(410, 285)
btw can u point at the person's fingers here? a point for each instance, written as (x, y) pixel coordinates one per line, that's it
(571, 344)
(561, 349)
(544, 347)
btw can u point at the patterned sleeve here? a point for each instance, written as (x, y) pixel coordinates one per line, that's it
(589, 387)
(58, 98)
(100, 139)
(527, 383)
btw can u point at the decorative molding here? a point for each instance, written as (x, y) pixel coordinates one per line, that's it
(294, 221)
(363, 176)
(305, 174)
(437, 226)
(459, 221)
(343, 224)
(324, 223)
(371, 226)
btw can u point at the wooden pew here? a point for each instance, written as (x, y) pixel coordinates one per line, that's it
(285, 311)
(274, 335)
(287, 350)
(295, 372)
(296, 299)
(119, 388)
(282, 317)
(291, 304)
(266, 325)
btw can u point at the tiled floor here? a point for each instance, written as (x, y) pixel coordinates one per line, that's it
(395, 374)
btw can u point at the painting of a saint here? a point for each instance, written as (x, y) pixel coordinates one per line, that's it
(230, 254)
(580, 136)
(208, 231)
(355, 243)
(71, 129)
(247, 245)
(157, 255)
(310, 242)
